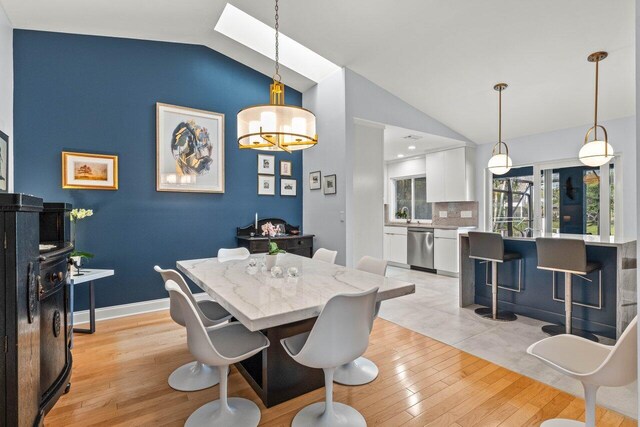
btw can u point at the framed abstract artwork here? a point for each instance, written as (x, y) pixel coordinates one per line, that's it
(286, 168)
(315, 180)
(4, 162)
(189, 150)
(266, 164)
(330, 184)
(288, 187)
(266, 185)
(86, 171)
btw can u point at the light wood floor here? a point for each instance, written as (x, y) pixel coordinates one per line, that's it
(120, 378)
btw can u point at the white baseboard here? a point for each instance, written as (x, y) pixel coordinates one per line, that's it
(123, 310)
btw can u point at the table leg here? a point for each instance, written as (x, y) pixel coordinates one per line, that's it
(92, 312)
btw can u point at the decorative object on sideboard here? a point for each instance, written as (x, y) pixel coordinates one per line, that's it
(291, 239)
(85, 171)
(4, 162)
(330, 184)
(315, 180)
(266, 185)
(269, 230)
(599, 151)
(276, 126)
(189, 150)
(266, 164)
(77, 256)
(286, 168)
(288, 187)
(500, 162)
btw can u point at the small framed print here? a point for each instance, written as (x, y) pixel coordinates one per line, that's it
(266, 185)
(288, 187)
(315, 180)
(330, 184)
(266, 164)
(286, 168)
(85, 171)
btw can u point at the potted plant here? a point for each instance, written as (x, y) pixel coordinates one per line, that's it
(77, 256)
(271, 257)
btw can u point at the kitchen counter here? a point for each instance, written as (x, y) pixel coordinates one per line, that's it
(424, 225)
(589, 239)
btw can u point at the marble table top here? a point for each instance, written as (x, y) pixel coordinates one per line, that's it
(261, 301)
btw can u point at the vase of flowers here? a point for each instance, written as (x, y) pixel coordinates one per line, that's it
(77, 256)
(271, 258)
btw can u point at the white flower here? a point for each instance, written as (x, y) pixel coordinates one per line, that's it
(77, 214)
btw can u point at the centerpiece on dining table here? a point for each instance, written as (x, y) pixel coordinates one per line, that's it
(271, 257)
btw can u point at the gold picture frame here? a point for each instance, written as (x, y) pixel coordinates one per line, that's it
(88, 171)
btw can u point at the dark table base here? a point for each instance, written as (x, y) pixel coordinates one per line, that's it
(274, 375)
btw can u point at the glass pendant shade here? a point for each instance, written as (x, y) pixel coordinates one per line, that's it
(596, 153)
(500, 163)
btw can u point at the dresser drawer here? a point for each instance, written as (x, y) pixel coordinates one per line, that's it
(259, 246)
(298, 243)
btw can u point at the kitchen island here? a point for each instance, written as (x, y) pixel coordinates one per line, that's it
(535, 298)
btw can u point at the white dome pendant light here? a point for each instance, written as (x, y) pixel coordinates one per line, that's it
(276, 126)
(500, 162)
(599, 151)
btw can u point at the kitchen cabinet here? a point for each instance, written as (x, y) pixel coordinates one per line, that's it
(395, 244)
(450, 175)
(446, 251)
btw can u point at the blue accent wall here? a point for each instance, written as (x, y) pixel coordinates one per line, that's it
(98, 95)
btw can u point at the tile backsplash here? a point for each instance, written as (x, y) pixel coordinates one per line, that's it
(460, 214)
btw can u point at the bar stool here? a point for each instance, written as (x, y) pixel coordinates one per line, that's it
(568, 256)
(489, 247)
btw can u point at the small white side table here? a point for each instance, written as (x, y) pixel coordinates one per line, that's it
(87, 275)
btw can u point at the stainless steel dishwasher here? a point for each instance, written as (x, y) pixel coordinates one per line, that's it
(420, 248)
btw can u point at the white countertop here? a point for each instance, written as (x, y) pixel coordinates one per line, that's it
(260, 301)
(589, 239)
(89, 274)
(427, 225)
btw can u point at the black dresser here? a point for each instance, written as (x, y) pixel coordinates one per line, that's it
(35, 366)
(292, 241)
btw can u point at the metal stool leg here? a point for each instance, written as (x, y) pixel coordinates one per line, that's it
(493, 313)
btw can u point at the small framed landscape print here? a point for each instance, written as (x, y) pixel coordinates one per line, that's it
(266, 164)
(4, 162)
(266, 185)
(288, 187)
(189, 150)
(84, 171)
(315, 180)
(330, 184)
(286, 168)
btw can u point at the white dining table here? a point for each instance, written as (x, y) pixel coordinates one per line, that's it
(281, 307)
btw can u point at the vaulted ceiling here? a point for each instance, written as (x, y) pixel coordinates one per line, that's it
(443, 57)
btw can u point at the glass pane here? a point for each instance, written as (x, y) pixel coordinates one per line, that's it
(512, 202)
(592, 201)
(423, 209)
(612, 198)
(403, 198)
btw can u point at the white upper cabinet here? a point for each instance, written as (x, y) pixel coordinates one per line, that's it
(450, 175)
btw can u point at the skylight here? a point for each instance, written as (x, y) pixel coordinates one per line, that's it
(258, 36)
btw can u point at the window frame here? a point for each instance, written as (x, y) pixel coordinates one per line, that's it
(413, 198)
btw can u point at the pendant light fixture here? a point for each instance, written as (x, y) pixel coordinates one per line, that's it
(276, 126)
(500, 162)
(599, 151)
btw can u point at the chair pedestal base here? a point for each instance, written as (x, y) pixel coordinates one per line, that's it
(315, 415)
(193, 376)
(559, 422)
(561, 329)
(501, 316)
(359, 372)
(243, 413)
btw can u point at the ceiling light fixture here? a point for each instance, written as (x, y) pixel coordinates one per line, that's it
(276, 126)
(599, 151)
(411, 147)
(500, 163)
(400, 156)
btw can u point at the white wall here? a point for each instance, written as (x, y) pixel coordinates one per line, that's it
(400, 169)
(6, 85)
(324, 215)
(368, 182)
(565, 144)
(636, 164)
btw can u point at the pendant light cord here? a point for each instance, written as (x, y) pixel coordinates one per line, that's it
(276, 76)
(500, 121)
(595, 114)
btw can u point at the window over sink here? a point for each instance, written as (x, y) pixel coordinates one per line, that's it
(411, 199)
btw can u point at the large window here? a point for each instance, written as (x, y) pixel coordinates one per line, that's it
(411, 199)
(512, 202)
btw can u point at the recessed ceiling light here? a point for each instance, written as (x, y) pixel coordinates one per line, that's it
(411, 147)
(400, 156)
(257, 35)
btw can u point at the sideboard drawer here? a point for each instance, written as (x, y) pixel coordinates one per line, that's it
(259, 246)
(299, 243)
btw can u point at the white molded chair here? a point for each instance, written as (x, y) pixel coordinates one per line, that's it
(194, 375)
(325, 255)
(225, 254)
(340, 334)
(362, 370)
(595, 365)
(220, 347)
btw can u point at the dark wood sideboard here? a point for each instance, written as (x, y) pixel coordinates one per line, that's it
(298, 244)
